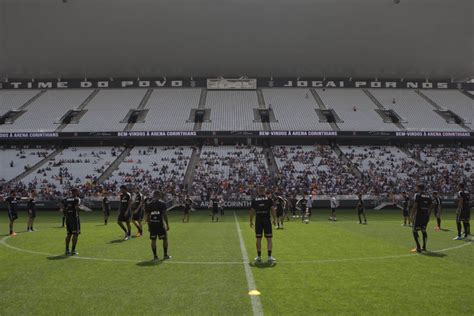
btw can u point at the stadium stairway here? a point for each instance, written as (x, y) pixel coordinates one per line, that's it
(201, 106)
(262, 105)
(381, 107)
(33, 99)
(191, 169)
(409, 154)
(439, 109)
(271, 162)
(141, 107)
(467, 94)
(114, 165)
(322, 106)
(36, 166)
(341, 155)
(80, 108)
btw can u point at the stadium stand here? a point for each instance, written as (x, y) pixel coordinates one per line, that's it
(304, 168)
(453, 160)
(14, 161)
(74, 166)
(44, 113)
(355, 109)
(232, 111)
(169, 110)
(153, 167)
(294, 109)
(230, 171)
(14, 99)
(454, 101)
(107, 109)
(416, 113)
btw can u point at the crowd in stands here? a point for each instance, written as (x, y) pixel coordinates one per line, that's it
(150, 168)
(233, 172)
(305, 169)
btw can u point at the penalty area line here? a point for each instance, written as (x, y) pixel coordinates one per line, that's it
(257, 307)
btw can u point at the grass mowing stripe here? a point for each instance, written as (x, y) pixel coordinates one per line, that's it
(255, 299)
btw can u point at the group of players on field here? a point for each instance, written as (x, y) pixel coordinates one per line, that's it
(267, 210)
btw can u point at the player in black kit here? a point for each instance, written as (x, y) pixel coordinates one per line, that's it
(70, 207)
(437, 210)
(280, 211)
(188, 203)
(137, 217)
(262, 209)
(422, 206)
(125, 211)
(106, 207)
(464, 212)
(215, 208)
(12, 201)
(406, 210)
(158, 225)
(361, 209)
(31, 211)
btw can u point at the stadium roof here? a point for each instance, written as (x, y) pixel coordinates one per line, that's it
(332, 38)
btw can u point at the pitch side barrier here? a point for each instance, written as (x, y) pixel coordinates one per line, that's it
(228, 204)
(231, 134)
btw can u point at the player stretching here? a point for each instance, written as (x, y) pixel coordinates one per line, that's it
(464, 212)
(421, 211)
(137, 216)
(406, 211)
(361, 209)
(125, 211)
(70, 207)
(106, 207)
(158, 226)
(188, 203)
(31, 211)
(261, 209)
(437, 210)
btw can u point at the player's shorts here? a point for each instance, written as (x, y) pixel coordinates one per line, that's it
(463, 215)
(437, 212)
(406, 213)
(187, 210)
(124, 217)
(73, 225)
(32, 214)
(360, 210)
(263, 227)
(421, 221)
(157, 231)
(12, 215)
(138, 216)
(279, 212)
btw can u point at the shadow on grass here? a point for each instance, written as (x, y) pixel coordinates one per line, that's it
(58, 257)
(262, 265)
(117, 241)
(434, 254)
(149, 263)
(444, 229)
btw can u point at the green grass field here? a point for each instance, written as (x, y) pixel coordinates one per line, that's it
(322, 268)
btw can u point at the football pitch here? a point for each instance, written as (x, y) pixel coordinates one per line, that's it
(322, 268)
